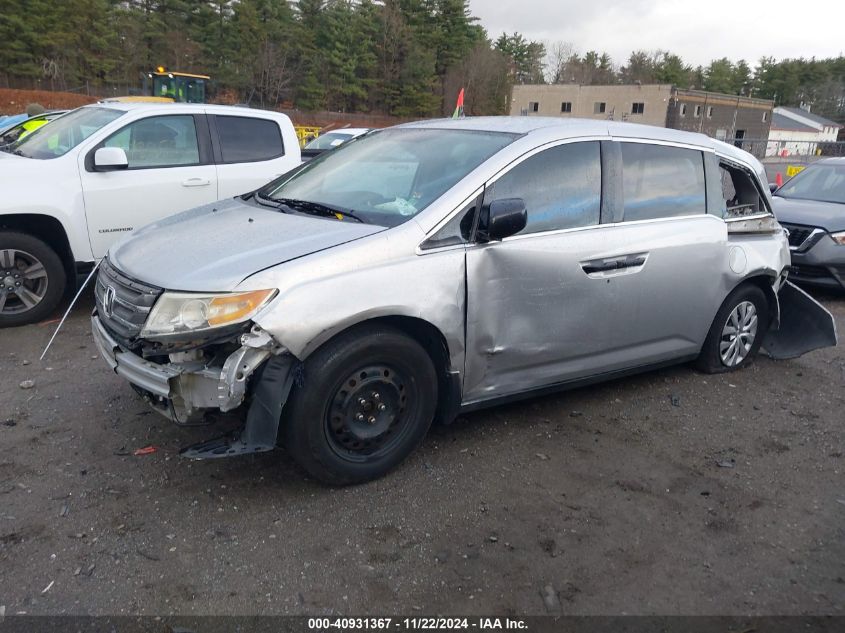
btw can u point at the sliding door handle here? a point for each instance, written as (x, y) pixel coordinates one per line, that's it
(610, 265)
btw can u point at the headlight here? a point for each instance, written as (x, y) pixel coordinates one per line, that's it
(185, 312)
(839, 238)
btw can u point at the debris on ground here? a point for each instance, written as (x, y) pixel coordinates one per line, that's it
(10, 422)
(551, 600)
(542, 456)
(726, 463)
(147, 450)
(48, 587)
(675, 400)
(27, 384)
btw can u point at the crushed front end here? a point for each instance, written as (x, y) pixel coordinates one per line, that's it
(184, 377)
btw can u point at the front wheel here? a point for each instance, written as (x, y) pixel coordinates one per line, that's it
(32, 279)
(367, 400)
(737, 331)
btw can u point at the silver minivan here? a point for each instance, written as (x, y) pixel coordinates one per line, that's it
(444, 266)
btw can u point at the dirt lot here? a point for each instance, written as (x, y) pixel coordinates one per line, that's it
(15, 101)
(671, 492)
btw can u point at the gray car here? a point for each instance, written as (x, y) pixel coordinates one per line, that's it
(811, 206)
(445, 266)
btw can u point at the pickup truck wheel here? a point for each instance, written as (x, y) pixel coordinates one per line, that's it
(737, 331)
(32, 279)
(366, 402)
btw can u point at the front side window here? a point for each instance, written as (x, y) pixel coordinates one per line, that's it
(161, 141)
(245, 140)
(388, 176)
(65, 133)
(659, 181)
(561, 187)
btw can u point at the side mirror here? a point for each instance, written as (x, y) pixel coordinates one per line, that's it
(505, 217)
(773, 187)
(110, 159)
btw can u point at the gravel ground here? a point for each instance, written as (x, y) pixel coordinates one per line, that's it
(667, 493)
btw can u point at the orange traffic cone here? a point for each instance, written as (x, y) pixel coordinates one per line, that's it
(779, 179)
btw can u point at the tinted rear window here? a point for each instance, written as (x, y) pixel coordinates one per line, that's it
(661, 181)
(244, 140)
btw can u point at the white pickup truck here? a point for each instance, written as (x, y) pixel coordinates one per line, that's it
(72, 188)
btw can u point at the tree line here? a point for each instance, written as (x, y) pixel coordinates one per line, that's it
(400, 57)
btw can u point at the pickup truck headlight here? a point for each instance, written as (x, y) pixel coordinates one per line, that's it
(839, 238)
(187, 312)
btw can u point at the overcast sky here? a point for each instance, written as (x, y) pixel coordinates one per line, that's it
(697, 31)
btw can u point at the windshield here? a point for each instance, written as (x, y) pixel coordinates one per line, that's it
(389, 176)
(329, 140)
(65, 133)
(825, 183)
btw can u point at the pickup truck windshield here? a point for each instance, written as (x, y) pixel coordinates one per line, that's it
(329, 140)
(389, 176)
(62, 135)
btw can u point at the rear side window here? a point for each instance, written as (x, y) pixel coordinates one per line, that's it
(661, 182)
(739, 195)
(246, 140)
(561, 187)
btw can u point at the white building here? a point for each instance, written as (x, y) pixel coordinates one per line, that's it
(798, 132)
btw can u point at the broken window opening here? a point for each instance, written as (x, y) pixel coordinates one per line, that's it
(740, 195)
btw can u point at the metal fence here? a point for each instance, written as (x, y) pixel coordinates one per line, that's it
(789, 148)
(783, 158)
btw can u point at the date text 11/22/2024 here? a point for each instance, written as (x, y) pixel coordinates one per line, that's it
(416, 623)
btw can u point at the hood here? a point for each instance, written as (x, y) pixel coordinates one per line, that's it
(11, 159)
(828, 215)
(216, 246)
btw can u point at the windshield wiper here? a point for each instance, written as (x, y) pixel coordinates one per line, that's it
(264, 201)
(316, 208)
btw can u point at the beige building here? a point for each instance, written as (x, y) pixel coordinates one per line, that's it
(636, 103)
(743, 121)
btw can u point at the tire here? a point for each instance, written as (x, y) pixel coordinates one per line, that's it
(747, 307)
(28, 297)
(366, 401)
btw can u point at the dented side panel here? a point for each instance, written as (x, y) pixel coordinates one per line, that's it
(540, 313)
(320, 297)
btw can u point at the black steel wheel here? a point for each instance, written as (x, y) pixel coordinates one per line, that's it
(367, 400)
(32, 279)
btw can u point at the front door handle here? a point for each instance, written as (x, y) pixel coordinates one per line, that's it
(196, 182)
(610, 265)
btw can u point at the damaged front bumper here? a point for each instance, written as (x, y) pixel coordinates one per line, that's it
(188, 386)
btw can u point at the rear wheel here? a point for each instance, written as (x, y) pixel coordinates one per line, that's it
(737, 331)
(367, 400)
(32, 279)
